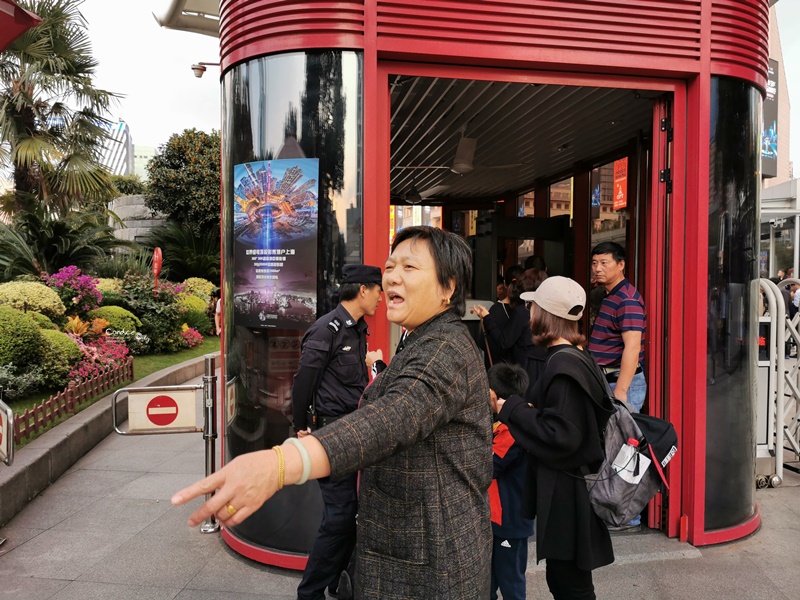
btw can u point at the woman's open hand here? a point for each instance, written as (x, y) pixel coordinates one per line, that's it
(243, 485)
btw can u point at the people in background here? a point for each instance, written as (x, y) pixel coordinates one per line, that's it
(618, 333)
(421, 438)
(510, 528)
(330, 379)
(560, 429)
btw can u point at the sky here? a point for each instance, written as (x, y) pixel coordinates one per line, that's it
(150, 67)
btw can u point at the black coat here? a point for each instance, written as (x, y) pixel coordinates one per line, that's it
(514, 340)
(561, 434)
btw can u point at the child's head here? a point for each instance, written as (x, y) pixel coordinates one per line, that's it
(507, 380)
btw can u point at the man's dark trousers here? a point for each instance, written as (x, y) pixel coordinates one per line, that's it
(336, 538)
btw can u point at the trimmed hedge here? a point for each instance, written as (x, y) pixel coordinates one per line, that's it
(195, 315)
(60, 353)
(20, 338)
(29, 295)
(119, 319)
(197, 286)
(42, 321)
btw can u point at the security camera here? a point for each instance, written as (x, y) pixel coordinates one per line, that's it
(772, 222)
(198, 70)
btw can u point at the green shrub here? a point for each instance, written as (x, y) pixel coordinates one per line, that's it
(158, 310)
(42, 321)
(118, 318)
(29, 295)
(60, 353)
(199, 287)
(20, 338)
(195, 313)
(107, 285)
(17, 385)
(114, 299)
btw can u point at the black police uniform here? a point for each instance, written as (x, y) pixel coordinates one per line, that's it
(333, 374)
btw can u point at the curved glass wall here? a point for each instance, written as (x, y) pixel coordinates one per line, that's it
(291, 218)
(733, 230)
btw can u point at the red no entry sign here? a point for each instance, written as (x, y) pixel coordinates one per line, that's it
(162, 411)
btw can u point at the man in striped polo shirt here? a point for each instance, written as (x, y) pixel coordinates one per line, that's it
(617, 339)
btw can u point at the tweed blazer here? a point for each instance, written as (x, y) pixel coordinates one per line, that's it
(423, 440)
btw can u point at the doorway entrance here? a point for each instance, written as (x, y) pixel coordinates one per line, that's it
(523, 164)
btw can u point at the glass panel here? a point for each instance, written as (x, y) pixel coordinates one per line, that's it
(733, 228)
(609, 223)
(289, 106)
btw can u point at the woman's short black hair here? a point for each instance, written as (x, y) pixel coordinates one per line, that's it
(452, 257)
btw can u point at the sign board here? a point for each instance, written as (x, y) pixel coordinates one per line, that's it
(769, 136)
(162, 410)
(230, 401)
(620, 183)
(6, 434)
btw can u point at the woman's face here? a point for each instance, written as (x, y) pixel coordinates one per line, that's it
(413, 293)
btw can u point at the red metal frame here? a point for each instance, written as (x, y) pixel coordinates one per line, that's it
(296, 562)
(656, 245)
(514, 38)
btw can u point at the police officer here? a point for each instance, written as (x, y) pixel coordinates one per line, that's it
(330, 379)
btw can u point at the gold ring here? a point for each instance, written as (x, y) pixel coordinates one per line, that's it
(231, 510)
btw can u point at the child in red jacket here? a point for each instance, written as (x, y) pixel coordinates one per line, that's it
(511, 530)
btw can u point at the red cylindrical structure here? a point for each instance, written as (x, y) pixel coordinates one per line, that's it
(696, 61)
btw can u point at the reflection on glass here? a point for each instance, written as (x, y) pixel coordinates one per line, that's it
(608, 222)
(732, 267)
(289, 106)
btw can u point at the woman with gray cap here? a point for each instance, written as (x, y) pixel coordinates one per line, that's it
(561, 430)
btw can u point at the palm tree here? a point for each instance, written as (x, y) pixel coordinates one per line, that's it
(36, 242)
(52, 147)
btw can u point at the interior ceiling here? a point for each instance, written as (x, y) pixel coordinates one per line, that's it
(522, 132)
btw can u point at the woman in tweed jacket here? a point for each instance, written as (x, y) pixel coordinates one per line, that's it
(422, 439)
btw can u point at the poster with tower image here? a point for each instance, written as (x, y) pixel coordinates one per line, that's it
(275, 220)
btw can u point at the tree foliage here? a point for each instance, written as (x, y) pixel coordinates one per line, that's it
(53, 148)
(184, 181)
(185, 253)
(128, 185)
(38, 242)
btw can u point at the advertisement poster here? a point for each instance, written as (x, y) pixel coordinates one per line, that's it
(769, 139)
(275, 243)
(620, 183)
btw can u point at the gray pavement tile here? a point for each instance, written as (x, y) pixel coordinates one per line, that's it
(27, 588)
(205, 595)
(710, 579)
(162, 563)
(785, 578)
(186, 462)
(129, 515)
(16, 536)
(60, 554)
(92, 483)
(161, 486)
(87, 590)
(127, 460)
(229, 572)
(89, 458)
(174, 525)
(50, 508)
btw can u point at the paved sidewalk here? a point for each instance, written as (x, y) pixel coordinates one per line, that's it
(105, 529)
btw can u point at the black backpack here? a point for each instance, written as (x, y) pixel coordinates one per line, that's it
(628, 478)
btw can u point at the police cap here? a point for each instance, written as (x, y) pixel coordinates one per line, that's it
(362, 274)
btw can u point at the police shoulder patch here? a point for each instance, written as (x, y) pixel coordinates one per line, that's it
(335, 325)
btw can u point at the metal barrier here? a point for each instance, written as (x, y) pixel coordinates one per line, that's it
(163, 410)
(778, 414)
(6, 432)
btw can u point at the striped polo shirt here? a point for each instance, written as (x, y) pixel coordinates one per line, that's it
(622, 310)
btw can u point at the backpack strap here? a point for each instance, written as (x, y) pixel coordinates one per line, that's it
(561, 367)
